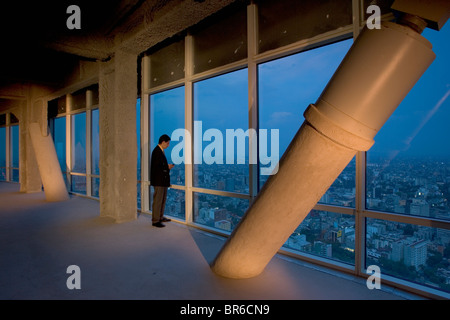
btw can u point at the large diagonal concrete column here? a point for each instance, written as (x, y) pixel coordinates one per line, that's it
(374, 77)
(49, 169)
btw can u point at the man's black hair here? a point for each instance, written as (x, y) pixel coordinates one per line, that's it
(164, 138)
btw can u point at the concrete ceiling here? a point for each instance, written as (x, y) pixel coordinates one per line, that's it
(38, 25)
(35, 38)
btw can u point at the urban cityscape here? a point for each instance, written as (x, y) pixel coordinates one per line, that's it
(416, 187)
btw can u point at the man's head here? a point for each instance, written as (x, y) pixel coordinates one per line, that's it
(164, 141)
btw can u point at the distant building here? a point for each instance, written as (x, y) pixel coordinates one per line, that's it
(323, 249)
(397, 251)
(298, 242)
(415, 254)
(419, 207)
(376, 228)
(223, 225)
(444, 236)
(411, 252)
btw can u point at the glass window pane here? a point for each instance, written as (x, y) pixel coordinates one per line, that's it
(218, 212)
(221, 133)
(408, 167)
(167, 117)
(95, 94)
(325, 234)
(13, 119)
(150, 199)
(222, 41)
(59, 136)
(78, 184)
(167, 64)
(62, 104)
(95, 152)
(175, 203)
(14, 138)
(2, 119)
(3, 153)
(14, 175)
(301, 20)
(66, 180)
(139, 196)
(2, 147)
(414, 253)
(95, 187)
(138, 136)
(79, 100)
(56, 106)
(79, 143)
(342, 191)
(287, 86)
(52, 109)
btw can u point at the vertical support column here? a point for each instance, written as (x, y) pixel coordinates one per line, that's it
(88, 142)
(356, 12)
(29, 177)
(358, 15)
(8, 148)
(360, 205)
(106, 138)
(145, 144)
(69, 140)
(188, 125)
(118, 143)
(19, 112)
(252, 50)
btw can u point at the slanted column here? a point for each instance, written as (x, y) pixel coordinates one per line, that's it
(47, 160)
(34, 110)
(377, 73)
(118, 142)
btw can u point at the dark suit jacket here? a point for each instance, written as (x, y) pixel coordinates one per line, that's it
(159, 169)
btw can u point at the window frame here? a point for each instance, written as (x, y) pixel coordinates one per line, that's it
(254, 58)
(91, 103)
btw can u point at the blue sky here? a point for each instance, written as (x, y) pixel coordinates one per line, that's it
(420, 125)
(288, 85)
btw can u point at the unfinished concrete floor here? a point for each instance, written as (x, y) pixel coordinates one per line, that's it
(134, 260)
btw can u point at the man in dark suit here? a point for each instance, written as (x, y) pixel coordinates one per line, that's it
(160, 180)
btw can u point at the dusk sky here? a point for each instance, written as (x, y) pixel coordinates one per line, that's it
(288, 85)
(420, 125)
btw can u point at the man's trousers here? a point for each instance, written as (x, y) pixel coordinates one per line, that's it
(159, 203)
